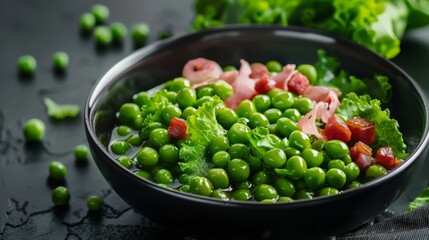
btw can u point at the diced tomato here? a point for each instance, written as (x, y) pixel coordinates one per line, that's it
(336, 128)
(364, 161)
(360, 147)
(362, 130)
(259, 70)
(385, 157)
(265, 84)
(177, 128)
(298, 83)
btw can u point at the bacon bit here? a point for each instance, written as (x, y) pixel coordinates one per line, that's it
(360, 147)
(362, 130)
(265, 84)
(333, 101)
(364, 161)
(229, 76)
(307, 124)
(177, 128)
(385, 157)
(298, 83)
(259, 70)
(319, 93)
(200, 69)
(336, 128)
(284, 76)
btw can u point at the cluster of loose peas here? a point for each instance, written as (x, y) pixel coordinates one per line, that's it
(304, 168)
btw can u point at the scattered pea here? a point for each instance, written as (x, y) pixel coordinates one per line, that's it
(60, 196)
(94, 203)
(140, 33)
(81, 152)
(119, 31)
(87, 22)
(57, 171)
(103, 35)
(34, 130)
(27, 64)
(100, 12)
(60, 61)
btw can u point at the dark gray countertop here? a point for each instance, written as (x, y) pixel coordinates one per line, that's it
(43, 27)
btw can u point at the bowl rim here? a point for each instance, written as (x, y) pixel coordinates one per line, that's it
(133, 58)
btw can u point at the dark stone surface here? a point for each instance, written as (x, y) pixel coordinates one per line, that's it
(43, 27)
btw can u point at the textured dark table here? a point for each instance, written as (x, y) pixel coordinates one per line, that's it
(43, 27)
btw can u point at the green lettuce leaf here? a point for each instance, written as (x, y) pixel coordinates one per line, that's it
(262, 141)
(152, 111)
(421, 199)
(202, 128)
(386, 129)
(58, 111)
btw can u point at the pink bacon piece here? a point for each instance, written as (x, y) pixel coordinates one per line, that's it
(284, 76)
(200, 70)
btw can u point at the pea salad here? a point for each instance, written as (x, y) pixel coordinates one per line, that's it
(263, 132)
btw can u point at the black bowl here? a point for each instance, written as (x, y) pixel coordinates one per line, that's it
(319, 217)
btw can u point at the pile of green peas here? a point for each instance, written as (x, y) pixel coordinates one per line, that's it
(305, 168)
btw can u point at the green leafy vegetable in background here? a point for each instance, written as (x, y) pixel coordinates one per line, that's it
(202, 128)
(61, 111)
(421, 199)
(387, 129)
(377, 24)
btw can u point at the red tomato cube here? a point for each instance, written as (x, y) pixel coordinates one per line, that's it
(177, 128)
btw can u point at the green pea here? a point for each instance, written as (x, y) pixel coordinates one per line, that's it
(336, 178)
(205, 91)
(219, 194)
(169, 112)
(163, 176)
(260, 177)
(286, 126)
(184, 178)
(100, 12)
(201, 186)
(120, 147)
(254, 163)
(238, 150)
(125, 161)
(103, 35)
(309, 71)
(285, 187)
(284, 199)
(221, 159)
(303, 105)
(202, 100)
(27, 64)
(239, 133)
(258, 120)
(318, 144)
(226, 117)
(169, 154)
(299, 140)
(164, 34)
(147, 157)
(242, 195)
(336, 163)
(293, 114)
(140, 33)
(262, 102)
(283, 101)
(352, 171)
(94, 203)
(354, 184)
(135, 140)
(218, 177)
(243, 185)
(186, 97)
(222, 89)
(142, 99)
(81, 152)
(327, 191)
(300, 184)
(312, 157)
(304, 194)
(145, 132)
(347, 159)
(159, 137)
(128, 112)
(143, 174)
(164, 185)
(34, 130)
(60, 196)
(243, 120)
(119, 31)
(246, 108)
(238, 170)
(265, 191)
(296, 167)
(219, 143)
(336, 148)
(171, 96)
(274, 66)
(57, 171)
(315, 178)
(187, 112)
(275, 158)
(123, 130)
(273, 115)
(375, 171)
(272, 128)
(290, 152)
(229, 68)
(185, 188)
(274, 92)
(87, 22)
(60, 60)
(178, 84)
